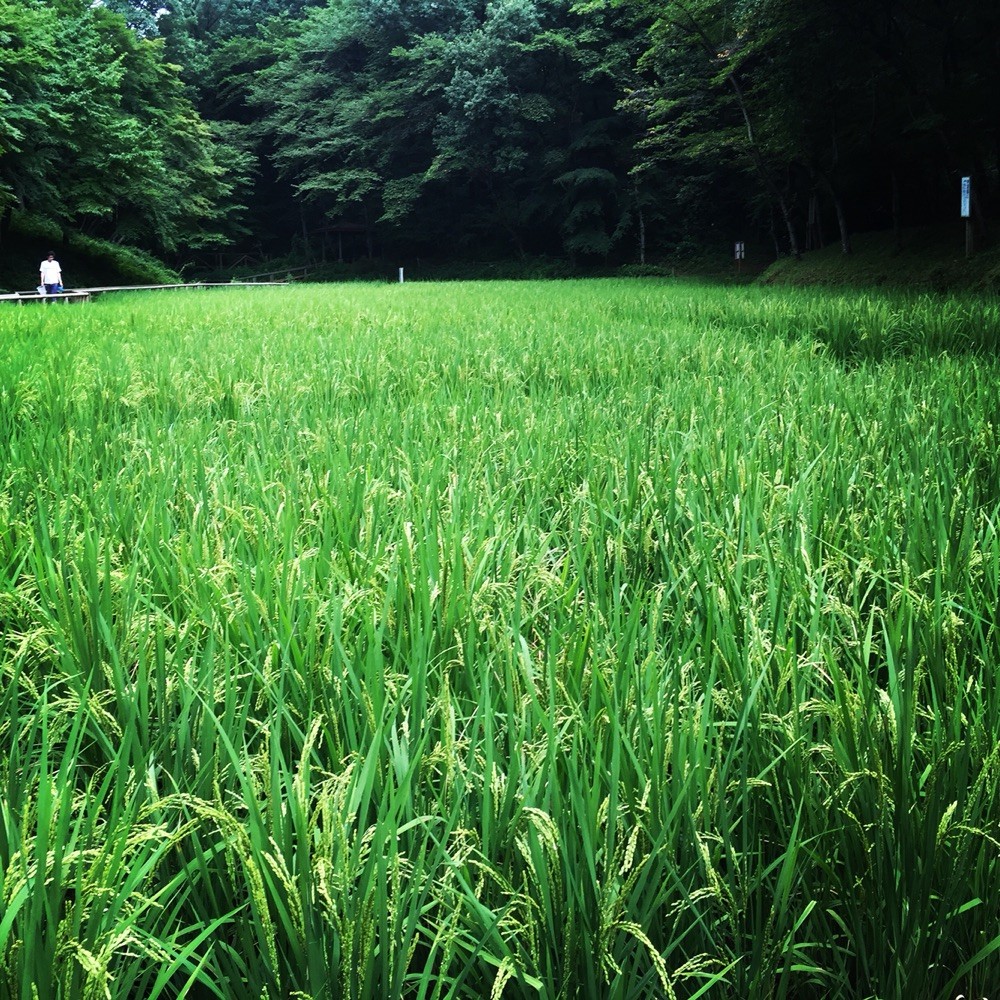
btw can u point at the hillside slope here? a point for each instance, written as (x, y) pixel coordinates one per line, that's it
(85, 260)
(927, 258)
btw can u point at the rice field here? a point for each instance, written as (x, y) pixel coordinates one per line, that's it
(624, 639)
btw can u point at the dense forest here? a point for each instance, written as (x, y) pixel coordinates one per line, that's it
(588, 130)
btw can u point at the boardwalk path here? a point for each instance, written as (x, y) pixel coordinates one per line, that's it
(85, 294)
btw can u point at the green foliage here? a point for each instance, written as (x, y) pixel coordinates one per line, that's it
(598, 639)
(86, 260)
(25, 167)
(924, 259)
(114, 147)
(599, 130)
(454, 118)
(125, 264)
(841, 112)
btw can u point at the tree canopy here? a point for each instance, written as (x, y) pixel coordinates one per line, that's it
(589, 129)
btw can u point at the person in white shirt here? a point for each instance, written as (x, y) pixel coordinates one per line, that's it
(50, 275)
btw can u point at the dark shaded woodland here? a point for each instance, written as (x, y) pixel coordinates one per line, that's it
(594, 131)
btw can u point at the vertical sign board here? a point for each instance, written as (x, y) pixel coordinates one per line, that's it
(967, 214)
(740, 251)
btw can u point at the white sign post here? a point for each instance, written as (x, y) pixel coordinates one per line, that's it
(967, 213)
(739, 255)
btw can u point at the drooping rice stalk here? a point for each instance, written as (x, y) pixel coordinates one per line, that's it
(623, 639)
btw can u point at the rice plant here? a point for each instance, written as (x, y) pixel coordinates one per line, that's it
(593, 639)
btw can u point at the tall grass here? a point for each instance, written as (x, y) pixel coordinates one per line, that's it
(617, 639)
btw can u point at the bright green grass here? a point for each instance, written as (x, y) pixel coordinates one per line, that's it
(596, 639)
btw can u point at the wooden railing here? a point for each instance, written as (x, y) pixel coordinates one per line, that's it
(295, 273)
(77, 295)
(85, 294)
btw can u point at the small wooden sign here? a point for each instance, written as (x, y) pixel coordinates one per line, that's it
(966, 197)
(741, 251)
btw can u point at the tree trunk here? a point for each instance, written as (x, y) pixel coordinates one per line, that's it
(838, 205)
(793, 242)
(305, 234)
(897, 229)
(977, 206)
(845, 236)
(642, 237)
(369, 246)
(755, 153)
(774, 234)
(758, 159)
(814, 228)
